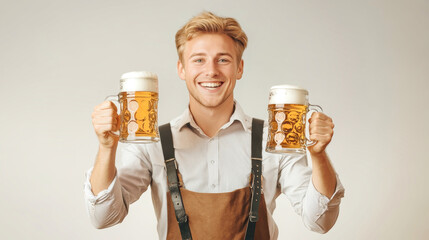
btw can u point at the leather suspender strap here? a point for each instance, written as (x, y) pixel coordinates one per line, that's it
(173, 181)
(257, 131)
(257, 128)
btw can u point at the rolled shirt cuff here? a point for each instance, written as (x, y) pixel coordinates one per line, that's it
(316, 204)
(102, 195)
(107, 207)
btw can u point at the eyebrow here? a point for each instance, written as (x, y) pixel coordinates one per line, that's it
(197, 54)
(204, 54)
(227, 54)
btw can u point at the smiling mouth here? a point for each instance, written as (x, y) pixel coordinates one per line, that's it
(211, 85)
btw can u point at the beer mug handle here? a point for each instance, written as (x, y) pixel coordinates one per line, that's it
(311, 108)
(114, 99)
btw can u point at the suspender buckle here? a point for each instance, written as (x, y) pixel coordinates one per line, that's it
(183, 219)
(172, 159)
(253, 218)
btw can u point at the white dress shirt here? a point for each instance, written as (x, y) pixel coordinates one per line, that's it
(211, 165)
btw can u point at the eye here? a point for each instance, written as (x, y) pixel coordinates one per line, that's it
(223, 60)
(198, 60)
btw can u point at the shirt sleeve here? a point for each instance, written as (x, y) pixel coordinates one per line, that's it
(319, 213)
(110, 206)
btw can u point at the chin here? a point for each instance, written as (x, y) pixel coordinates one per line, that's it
(211, 104)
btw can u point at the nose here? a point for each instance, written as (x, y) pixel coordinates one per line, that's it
(212, 70)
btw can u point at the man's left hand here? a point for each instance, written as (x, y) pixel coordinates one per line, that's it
(321, 130)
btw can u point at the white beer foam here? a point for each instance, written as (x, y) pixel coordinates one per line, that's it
(139, 81)
(288, 94)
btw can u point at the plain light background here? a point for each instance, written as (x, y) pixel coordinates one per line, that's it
(366, 62)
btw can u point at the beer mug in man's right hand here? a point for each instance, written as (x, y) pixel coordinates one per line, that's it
(138, 100)
(287, 109)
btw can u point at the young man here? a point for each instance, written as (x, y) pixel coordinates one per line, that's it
(211, 146)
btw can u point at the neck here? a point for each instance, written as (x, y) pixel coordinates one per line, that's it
(211, 119)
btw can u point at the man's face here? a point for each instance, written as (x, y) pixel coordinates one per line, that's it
(210, 68)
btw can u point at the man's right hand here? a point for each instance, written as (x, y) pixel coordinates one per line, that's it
(105, 120)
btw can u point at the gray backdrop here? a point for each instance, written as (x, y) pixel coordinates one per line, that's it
(366, 62)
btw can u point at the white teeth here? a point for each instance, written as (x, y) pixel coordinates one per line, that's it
(211, 84)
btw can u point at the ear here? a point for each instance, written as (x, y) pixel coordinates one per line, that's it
(181, 70)
(240, 69)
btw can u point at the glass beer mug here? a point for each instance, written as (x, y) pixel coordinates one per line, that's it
(287, 109)
(138, 101)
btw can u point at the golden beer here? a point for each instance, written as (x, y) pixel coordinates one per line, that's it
(138, 101)
(139, 113)
(287, 116)
(287, 126)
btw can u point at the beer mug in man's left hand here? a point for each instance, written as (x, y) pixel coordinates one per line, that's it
(138, 101)
(287, 109)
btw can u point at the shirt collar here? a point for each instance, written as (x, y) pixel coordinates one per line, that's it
(186, 119)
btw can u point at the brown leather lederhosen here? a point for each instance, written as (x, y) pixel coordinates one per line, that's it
(240, 214)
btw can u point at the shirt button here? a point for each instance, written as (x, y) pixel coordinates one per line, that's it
(213, 185)
(212, 161)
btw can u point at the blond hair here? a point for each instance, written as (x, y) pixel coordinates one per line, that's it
(208, 22)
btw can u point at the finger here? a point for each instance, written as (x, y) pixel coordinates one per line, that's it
(104, 113)
(319, 116)
(104, 120)
(102, 129)
(106, 105)
(322, 123)
(321, 130)
(319, 124)
(322, 138)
